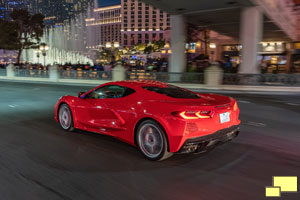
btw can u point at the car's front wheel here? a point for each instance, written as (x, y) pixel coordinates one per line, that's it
(151, 141)
(65, 118)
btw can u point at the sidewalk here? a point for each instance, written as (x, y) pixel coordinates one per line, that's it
(243, 88)
(197, 87)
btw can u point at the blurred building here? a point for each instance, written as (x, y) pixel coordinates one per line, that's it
(6, 7)
(295, 64)
(261, 30)
(57, 12)
(142, 23)
(104, 26)
(276, 54)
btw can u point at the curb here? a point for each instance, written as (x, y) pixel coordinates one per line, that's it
(271, 90)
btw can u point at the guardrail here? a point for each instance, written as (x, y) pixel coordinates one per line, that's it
(212, 78)
(85, 75)
(262, 79)
(3, 72)
(32, 73)
(170, 77)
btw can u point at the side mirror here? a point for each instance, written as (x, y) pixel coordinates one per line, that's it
(81, 95)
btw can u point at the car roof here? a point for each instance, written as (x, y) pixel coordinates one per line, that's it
(139, 83)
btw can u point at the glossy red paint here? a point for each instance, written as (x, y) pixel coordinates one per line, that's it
(119, 117)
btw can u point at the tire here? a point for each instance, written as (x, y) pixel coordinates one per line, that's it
(65, 118)
(152, 141)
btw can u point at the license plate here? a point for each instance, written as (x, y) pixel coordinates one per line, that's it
(224, 117)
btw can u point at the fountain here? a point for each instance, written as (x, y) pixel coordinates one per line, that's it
(67, 43)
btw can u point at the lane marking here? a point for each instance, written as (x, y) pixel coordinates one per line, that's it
(12, 106)
(243, 101)
(256, 124)
(292, 104)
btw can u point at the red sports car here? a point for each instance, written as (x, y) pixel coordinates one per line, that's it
(159, 118)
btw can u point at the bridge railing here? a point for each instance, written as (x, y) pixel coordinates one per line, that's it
(170, 77)
(32, 73)
(3, 72)
(213, 77)
(262, 79)
(85, 74)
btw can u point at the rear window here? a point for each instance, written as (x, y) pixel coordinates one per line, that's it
(174, 92)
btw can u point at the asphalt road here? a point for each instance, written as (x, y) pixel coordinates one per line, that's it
(40, 161)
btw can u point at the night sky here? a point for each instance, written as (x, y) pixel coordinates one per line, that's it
(103, 3)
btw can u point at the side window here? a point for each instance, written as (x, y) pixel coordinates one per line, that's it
(109, 92)
(128, 92)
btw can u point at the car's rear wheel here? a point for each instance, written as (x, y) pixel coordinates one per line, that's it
(65, 118)
(151, 141)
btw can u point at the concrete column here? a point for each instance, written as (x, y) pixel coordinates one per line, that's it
(178, 41)
(219, 51)
(119, 73)
(213, 76)
(251, 35)
(10, 71)
(289, 57)
(53, 73)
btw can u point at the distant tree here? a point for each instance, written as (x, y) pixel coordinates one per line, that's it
(8, 35)
(154, 46)
(139, 47)
(149, 49)
(110, 54)
(196, 33)
(158, 45)
(29, 30)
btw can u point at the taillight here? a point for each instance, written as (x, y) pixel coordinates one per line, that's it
(235, 107)
(193, 114)
(203, 114)
(188, 115)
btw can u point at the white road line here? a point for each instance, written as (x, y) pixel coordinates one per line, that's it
(257, 124)
(243, 101)
(12, 106)
(292, 104)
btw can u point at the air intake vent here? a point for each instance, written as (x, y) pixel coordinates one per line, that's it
(223, 106)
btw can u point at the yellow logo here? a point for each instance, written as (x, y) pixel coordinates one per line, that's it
(282, 184)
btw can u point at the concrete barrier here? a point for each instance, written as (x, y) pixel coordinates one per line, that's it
(119, 73)
(53, 73)
(213, 80)
(213, 76)
(10, 71)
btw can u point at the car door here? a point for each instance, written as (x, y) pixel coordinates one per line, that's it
(105, 108)
(86, 109)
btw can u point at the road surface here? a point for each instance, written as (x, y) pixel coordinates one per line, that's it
(40, 161)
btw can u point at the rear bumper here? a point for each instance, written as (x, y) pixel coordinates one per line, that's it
(204, 143)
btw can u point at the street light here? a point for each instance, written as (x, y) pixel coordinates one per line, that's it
(38, 52)
(213, 45)
(44, 48)
(116, 45)
(108, 45)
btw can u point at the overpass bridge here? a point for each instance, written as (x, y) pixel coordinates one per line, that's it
(249, 21)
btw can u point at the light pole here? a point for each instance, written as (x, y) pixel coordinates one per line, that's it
(44, 48)
(38, 52)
